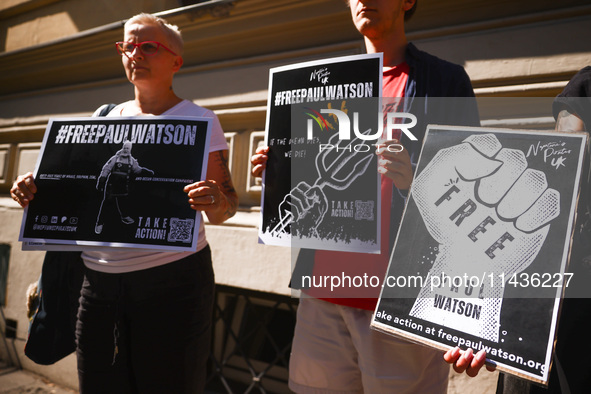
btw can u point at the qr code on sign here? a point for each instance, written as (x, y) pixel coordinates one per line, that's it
(364, 210)
(181, 230)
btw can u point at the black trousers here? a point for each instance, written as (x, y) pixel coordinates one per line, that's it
(147, 331)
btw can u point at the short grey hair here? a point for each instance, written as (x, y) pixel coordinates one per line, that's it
(172, 32)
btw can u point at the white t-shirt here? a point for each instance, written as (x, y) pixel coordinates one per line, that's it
(112, 260)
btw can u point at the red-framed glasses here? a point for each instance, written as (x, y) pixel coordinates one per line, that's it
(147, 48)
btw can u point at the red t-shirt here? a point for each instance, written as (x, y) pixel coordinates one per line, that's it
(366, 270)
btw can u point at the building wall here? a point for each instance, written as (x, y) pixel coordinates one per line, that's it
(57, 58)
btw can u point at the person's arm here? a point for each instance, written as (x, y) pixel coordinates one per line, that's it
(23, 189)
(137, 169)
(105, 171)
(216, 195)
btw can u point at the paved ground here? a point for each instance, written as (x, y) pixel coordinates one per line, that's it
(15, 381)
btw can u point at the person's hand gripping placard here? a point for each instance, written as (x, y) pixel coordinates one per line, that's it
(491, 215)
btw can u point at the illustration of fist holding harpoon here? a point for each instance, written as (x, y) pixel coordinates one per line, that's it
(338, 166)
(490, 215)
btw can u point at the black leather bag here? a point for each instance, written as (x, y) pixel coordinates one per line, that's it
(53, 326)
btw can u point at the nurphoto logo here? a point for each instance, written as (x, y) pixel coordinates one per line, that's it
(394, 121)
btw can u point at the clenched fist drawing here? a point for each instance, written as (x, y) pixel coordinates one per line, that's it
(304, 209)
(490, 214)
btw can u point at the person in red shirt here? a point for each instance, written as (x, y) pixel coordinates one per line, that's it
(334, 349)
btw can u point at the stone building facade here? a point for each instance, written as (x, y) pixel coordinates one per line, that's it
(57, 58)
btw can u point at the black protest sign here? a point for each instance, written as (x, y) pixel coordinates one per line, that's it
(321, 187)
(118, 182)
(481, 256)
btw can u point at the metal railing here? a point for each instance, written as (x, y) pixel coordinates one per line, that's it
(252, 334)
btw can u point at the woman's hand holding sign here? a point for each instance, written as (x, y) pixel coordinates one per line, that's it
(23, 189)
(216, 195)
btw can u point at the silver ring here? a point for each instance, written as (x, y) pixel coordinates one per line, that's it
(212, 199)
